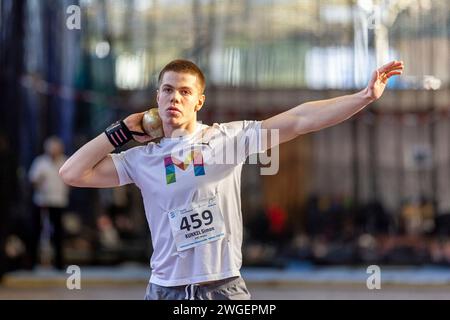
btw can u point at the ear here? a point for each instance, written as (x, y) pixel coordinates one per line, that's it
(201, 101)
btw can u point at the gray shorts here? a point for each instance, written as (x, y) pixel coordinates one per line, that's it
(226, 289)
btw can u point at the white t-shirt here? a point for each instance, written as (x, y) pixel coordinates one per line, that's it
(212, 171)
(50, 190)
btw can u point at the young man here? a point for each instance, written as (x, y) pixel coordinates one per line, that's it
(189, 182)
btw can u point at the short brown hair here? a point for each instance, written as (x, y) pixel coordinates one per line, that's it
(185, 66)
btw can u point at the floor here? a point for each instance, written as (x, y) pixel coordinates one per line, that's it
(297, 283)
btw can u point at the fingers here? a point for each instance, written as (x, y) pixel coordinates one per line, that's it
(133, 120)
(400, 67)
(386, 75)
(393, 68)
(393, 73)
(394, 65)
(386, 66)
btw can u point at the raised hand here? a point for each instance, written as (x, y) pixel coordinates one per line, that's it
(380, 78)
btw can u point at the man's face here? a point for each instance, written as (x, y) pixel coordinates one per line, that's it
(179, 98)
(55, 148)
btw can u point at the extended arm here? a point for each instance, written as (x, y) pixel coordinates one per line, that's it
(317, 115)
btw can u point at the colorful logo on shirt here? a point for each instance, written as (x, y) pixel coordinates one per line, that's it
(195, 157)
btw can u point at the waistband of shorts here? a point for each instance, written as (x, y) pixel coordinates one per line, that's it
(219, 283)
(213, 284)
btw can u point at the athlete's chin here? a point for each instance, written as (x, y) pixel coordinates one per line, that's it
(174, 122)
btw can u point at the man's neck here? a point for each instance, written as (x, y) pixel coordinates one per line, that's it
(175, 132)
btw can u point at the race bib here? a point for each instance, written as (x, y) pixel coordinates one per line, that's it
(197, 224)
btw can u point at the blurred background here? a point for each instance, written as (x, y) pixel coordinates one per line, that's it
(372, 190)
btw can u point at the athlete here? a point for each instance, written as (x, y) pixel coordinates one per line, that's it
(190, 178)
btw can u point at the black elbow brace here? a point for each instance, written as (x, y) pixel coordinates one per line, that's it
(119, 134)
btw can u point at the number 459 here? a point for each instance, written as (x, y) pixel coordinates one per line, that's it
(195, 222)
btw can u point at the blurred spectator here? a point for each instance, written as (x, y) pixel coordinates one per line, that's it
(373, 218)
(50, 198)
(270, 237)
(417, 217)
(278, 231)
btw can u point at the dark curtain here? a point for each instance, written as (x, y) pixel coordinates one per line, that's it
(11, 64)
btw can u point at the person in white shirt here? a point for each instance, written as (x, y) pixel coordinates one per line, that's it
(190, 179)
(50, 196)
